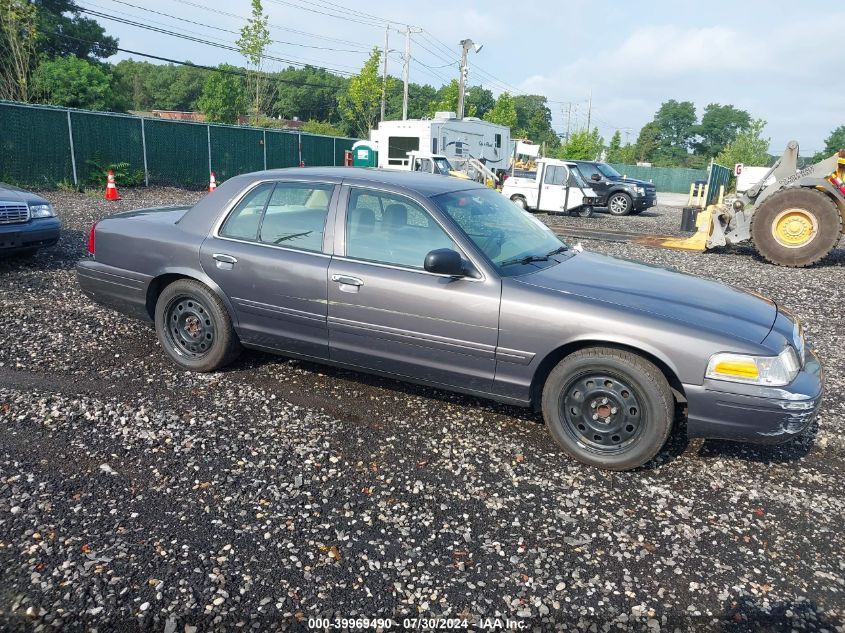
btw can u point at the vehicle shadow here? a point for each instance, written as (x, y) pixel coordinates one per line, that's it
(676, 445)
(63, 256)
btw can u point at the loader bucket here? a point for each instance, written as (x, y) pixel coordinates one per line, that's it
(695, 242)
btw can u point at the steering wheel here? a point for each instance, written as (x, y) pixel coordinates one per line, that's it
(492, 244)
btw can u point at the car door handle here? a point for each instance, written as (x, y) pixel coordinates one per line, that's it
(348, 280)
(224, 262)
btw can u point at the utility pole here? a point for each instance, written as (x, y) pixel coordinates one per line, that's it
(384, 71)
(589, 109)
(406, 72)
(568, 120)
(466, 45)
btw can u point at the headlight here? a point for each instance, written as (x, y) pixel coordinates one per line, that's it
(41, 211)
(640, 191)
(774, 371)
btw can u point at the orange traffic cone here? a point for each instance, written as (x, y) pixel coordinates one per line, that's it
(111, 188)
(212, 183)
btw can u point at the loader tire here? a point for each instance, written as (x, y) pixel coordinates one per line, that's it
(796, 227)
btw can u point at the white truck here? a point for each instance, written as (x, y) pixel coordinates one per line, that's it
(556, 186)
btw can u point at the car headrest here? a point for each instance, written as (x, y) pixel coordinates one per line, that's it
(396, 215)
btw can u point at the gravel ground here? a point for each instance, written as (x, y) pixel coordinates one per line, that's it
(135, 496)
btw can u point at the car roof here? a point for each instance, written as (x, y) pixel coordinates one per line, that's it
(425, 184)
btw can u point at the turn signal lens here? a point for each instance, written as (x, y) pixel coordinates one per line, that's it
(774, 371)
(739, 368)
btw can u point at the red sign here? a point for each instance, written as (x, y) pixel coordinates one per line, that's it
(738, 169)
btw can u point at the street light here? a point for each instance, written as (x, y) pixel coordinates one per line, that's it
(466, 45)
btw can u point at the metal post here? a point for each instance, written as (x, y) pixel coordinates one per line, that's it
(300, 149)
(334, 151)
(144, 149)
(384, 71)
(589, 109)
(406, 72)
(265, 148)
(72, 153)
(208, 130)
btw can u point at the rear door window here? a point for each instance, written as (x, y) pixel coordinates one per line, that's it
(296, 215)
(244, 220)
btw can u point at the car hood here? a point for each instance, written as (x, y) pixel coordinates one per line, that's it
(664, 293)
(14, 194)
(634, 181)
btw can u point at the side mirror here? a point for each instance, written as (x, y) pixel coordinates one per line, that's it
(595, 177)
(444, 261)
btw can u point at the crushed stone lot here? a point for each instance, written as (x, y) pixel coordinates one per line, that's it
(136, 496)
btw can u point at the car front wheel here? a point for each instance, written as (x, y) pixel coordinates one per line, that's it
(194, 327)
(608, 408)
(619, 204)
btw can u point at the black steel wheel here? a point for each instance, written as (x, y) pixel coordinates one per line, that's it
(194, 327)
(520, 202)
(585, 212)
(608, 407)
(190, 330)
(602, 411)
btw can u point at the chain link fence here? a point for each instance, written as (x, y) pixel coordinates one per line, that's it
(44, 146)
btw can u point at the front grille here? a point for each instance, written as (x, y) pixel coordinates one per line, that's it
(13, 213)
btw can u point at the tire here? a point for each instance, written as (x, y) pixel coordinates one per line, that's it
(194, 327)
(619, 204)
(520, 202)
(796, 227)
(630, 396)
(585, 212)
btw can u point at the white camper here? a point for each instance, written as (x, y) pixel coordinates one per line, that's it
(446, 135)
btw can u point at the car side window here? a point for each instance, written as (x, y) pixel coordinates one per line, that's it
(244, 220)
(295, 216)
(391, 229)
(588, 170)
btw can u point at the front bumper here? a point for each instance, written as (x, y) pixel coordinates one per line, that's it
(36, 233)
(751, 413)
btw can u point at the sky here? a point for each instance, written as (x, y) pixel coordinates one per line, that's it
(780, 61)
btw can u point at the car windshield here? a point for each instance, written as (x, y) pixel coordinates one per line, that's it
(442, 166)
(514, 240)
(608, 171)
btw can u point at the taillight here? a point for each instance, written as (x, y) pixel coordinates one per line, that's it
(91, 239)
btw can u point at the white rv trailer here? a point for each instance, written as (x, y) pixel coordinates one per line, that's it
(445, 134)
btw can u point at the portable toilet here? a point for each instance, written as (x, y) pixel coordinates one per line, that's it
(364, 154)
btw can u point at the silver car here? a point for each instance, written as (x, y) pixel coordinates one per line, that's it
(444, 282)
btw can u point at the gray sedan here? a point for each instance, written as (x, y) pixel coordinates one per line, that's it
(444, 282)
(27, 222)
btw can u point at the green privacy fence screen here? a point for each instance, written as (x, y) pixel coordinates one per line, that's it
(665, 179)
(719, 176)
(42, 146)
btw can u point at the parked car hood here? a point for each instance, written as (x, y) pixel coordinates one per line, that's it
(15, 194)
(635, 182)
(661, 292)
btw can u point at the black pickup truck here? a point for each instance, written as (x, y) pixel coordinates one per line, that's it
(620, 195)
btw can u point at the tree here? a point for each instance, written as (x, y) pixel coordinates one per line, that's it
(307, 93)
(447, 100)
(646, 143)
(834, 143)
(73, 82)
(64, 33)
(719, 127)
(628, 154)
(503, 112)
(254, 40)
(18, 34)
(534, 120)
(582, 145)
(614, 150)
(419, 101)
(675, 122)
(478, 100)
(749, 147)
(223, 99)
(360, 105)
(146, 86)
(322, 127)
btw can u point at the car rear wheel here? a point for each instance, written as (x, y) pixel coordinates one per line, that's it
(520, 202)
(619, 204)
(608, 408)
(194, 327)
